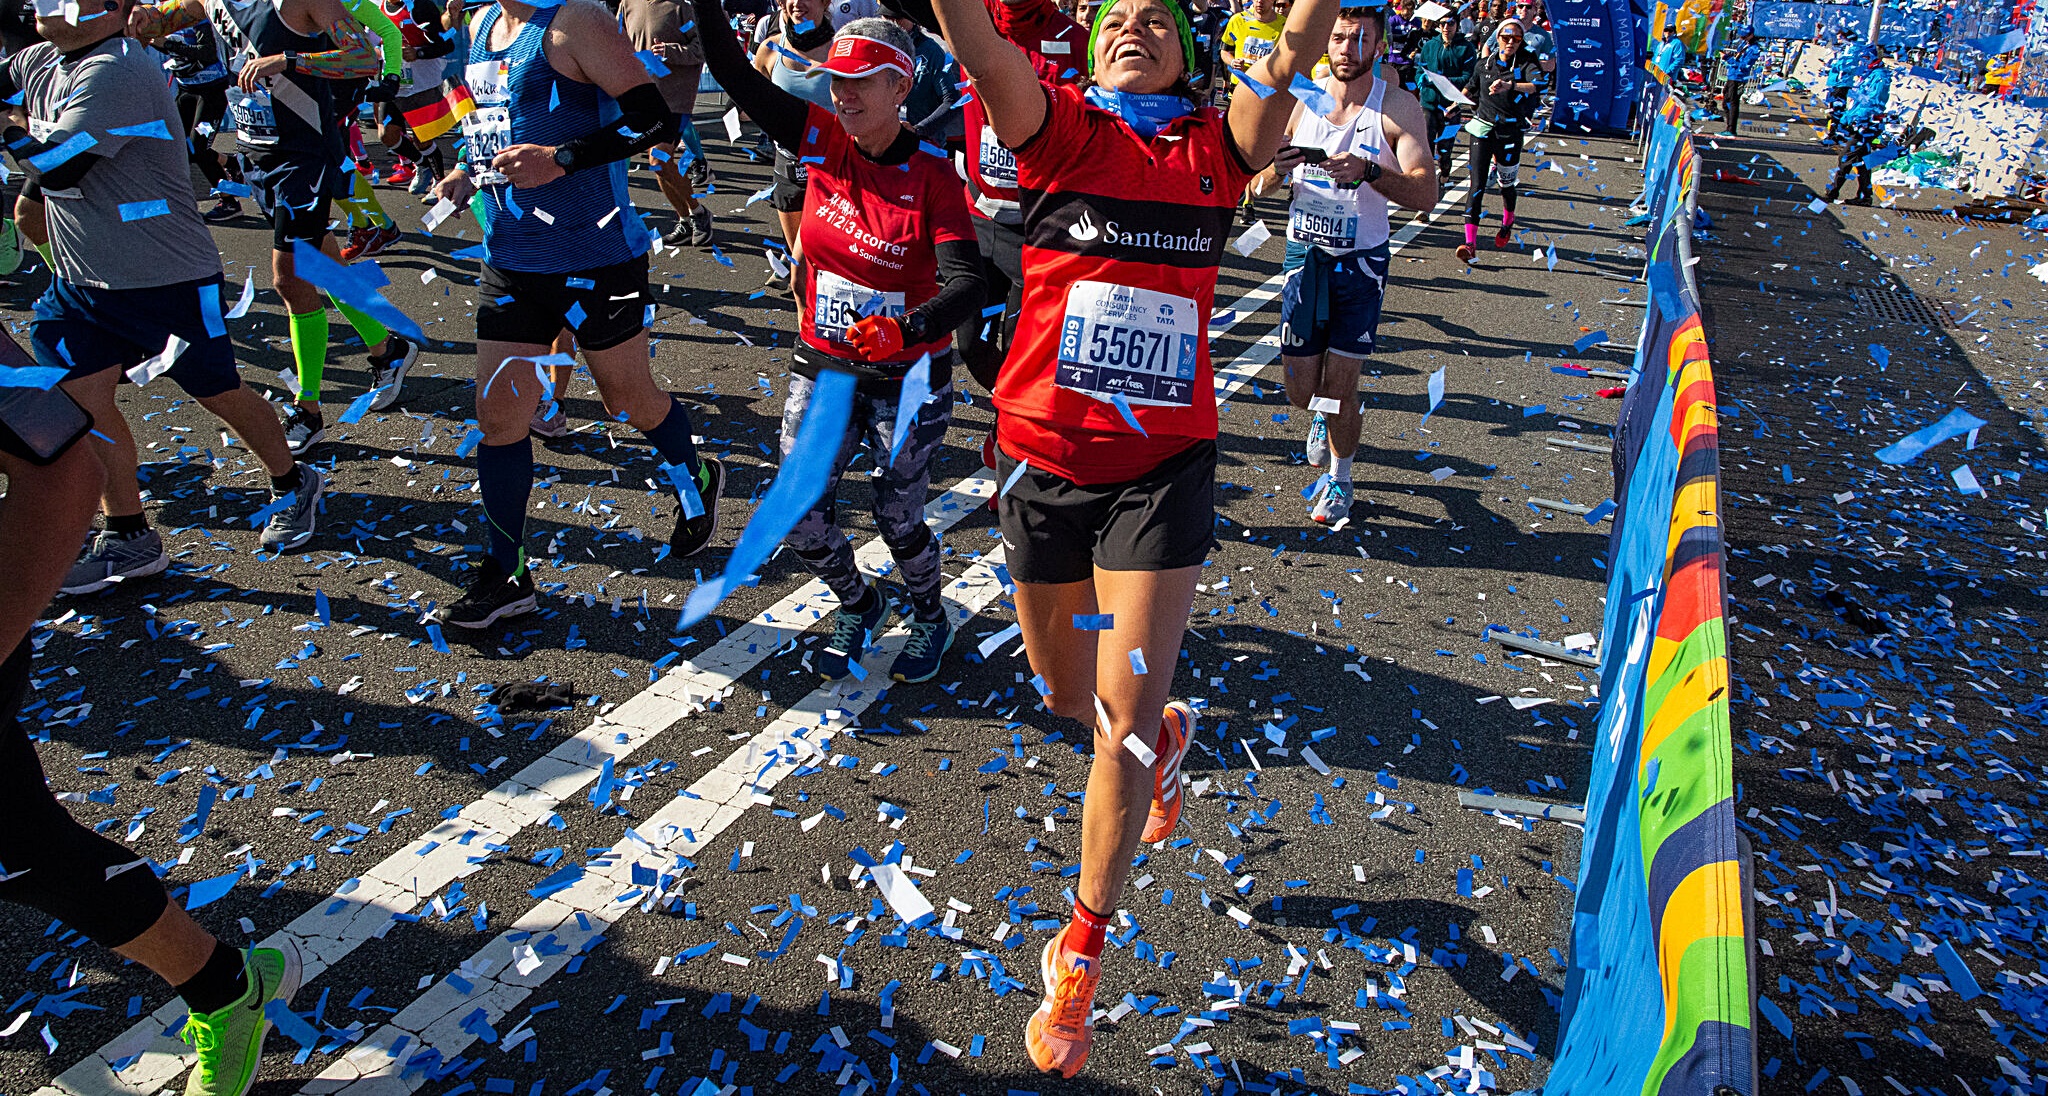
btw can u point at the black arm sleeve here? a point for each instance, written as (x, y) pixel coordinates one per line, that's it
(645, 121)
(780, 115)
(960, 292)
(64, 176)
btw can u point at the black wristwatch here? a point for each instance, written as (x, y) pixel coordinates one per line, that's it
(291, 62)
(565, 159)
(1373, 171)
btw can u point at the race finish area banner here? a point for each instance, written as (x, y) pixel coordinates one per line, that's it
(1901, 27)
(1596, 65)
(1658, 998)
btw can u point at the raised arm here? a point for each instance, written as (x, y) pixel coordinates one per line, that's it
(1258, 125)
(779, 114)
(1008, 86)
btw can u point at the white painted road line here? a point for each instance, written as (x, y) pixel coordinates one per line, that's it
(503, 973)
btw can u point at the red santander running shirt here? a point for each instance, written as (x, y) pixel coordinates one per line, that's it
(1058, 48)
(867, 235)
(1123, 241)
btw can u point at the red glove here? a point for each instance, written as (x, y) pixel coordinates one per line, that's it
(878, 338)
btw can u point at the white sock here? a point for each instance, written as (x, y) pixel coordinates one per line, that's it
(1340, 469)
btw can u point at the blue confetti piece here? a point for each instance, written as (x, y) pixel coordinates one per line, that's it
(1959, 977)
(1775, 1015)
(1258, 89)
(210, 313)
(651, 63)
(1094, 622)
(686, 490)
(798, 486)
(155, 127)
(1954, 424)
(1594, 516)
(357, 285)
(1589, 341)
(208, 891)
(917, 388)
(1312, 96)
(469, 442)
(1122, 404)
(1016, 474)
(320, 608)
(26, 376)
(359, 407)
(576, 316)
(233, 189)
(142, 211)
(1536, 410)
(257, 519)
(51, 157)
(291, 1023)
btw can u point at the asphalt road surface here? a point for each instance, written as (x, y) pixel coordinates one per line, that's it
(1885, 618)
(655, 888)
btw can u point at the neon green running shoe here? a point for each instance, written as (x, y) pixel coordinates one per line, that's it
(230, 1041)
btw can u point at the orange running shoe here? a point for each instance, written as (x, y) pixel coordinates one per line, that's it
(1176, 734)
(1060, 1033)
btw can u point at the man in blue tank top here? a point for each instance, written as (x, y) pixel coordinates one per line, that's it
(285, 56)
(561, 104)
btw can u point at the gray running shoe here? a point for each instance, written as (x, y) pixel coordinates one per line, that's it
(1332, 504)
(109, 559)
(548, 420)
(1317, 448)
(291, 527)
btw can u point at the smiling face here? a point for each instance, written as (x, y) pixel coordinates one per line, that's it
(868, 106)
(795, 13)
(1137, 48)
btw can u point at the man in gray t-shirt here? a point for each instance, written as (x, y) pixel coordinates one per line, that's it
(130, 221)
(137, 289)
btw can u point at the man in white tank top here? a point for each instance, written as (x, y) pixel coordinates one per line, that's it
(1361, 145)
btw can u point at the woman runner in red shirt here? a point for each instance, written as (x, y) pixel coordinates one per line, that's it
(887, 270)
(1108, 424)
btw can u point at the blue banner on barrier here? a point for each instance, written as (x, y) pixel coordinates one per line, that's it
(1591, 63)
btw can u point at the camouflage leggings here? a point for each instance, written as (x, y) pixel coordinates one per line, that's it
(899, 493)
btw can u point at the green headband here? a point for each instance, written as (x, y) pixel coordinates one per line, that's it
(1180, 20)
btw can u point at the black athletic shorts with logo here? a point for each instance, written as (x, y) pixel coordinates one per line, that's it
(296, 191)
(604, 306)
(1055, 530)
